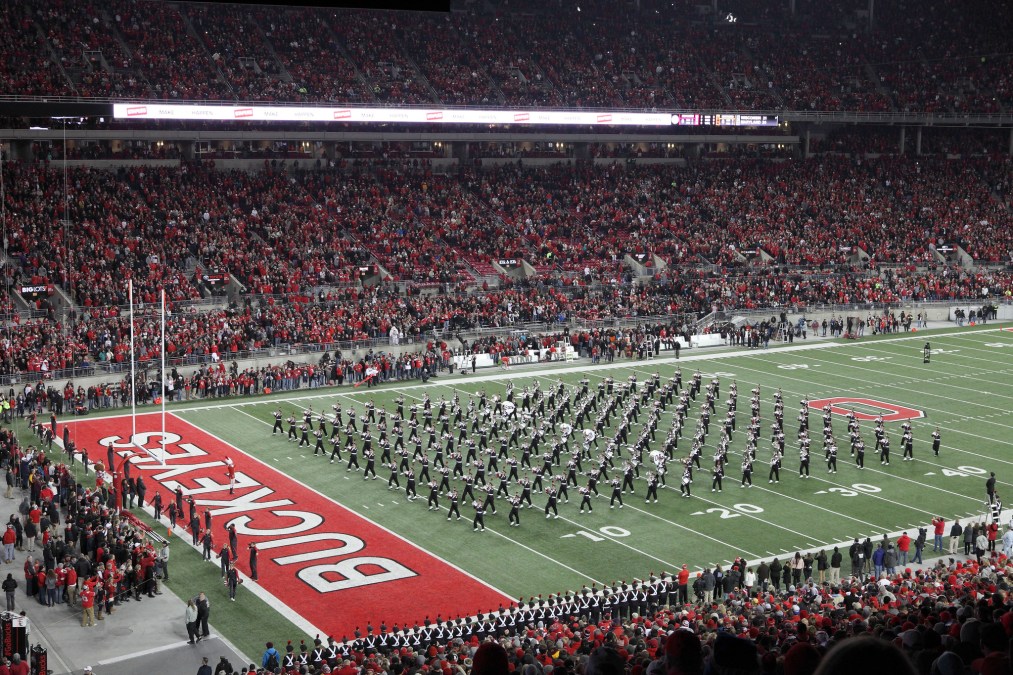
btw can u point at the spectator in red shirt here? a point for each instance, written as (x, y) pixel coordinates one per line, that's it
(10, 538)
(903, 545)
(18, 667)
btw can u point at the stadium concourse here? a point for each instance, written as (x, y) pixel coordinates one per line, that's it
(952, 603)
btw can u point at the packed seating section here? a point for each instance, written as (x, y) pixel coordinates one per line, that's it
(936, 57)
(707, 224)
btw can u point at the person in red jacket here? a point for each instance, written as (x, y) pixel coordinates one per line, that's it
(684, 584)
(903, 545)
(939, 526)
(10, 538)
(71, 582)
(87, 606)
(993, 534)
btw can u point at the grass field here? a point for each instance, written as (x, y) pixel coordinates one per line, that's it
(966, 392)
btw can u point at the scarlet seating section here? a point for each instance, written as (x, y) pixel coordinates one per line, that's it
(101, 335)
(157, 225)
(923, 57)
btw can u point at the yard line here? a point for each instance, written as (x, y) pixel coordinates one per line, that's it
(977, 345)
(963, 353)
(689, 529)
(599, 533)
(531, 550)
(1002, 336)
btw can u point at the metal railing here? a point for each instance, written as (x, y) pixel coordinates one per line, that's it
(858, 308)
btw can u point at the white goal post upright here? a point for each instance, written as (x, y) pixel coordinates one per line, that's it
(140, 449)
(133, 359)
(164, 379)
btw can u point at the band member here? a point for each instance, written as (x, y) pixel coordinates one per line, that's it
(652, 487)
(514, 517)
(454, 505)
(370, 458)
(617, 493)
(478, 524)
(277, 423)
(434, 496)
(687, 478)
(551, 502)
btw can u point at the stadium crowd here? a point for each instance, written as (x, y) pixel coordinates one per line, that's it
(951, 617)
(99, 340)
(728, 234)
(946, 60)
(318, 227)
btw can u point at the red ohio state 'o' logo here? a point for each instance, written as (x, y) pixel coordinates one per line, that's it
(891, 412)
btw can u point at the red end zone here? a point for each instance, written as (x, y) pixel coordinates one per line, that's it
(328, 564)
(892, 412)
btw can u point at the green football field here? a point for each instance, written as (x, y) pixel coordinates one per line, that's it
(966, 392)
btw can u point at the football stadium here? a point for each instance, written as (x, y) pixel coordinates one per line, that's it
(579, 337)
